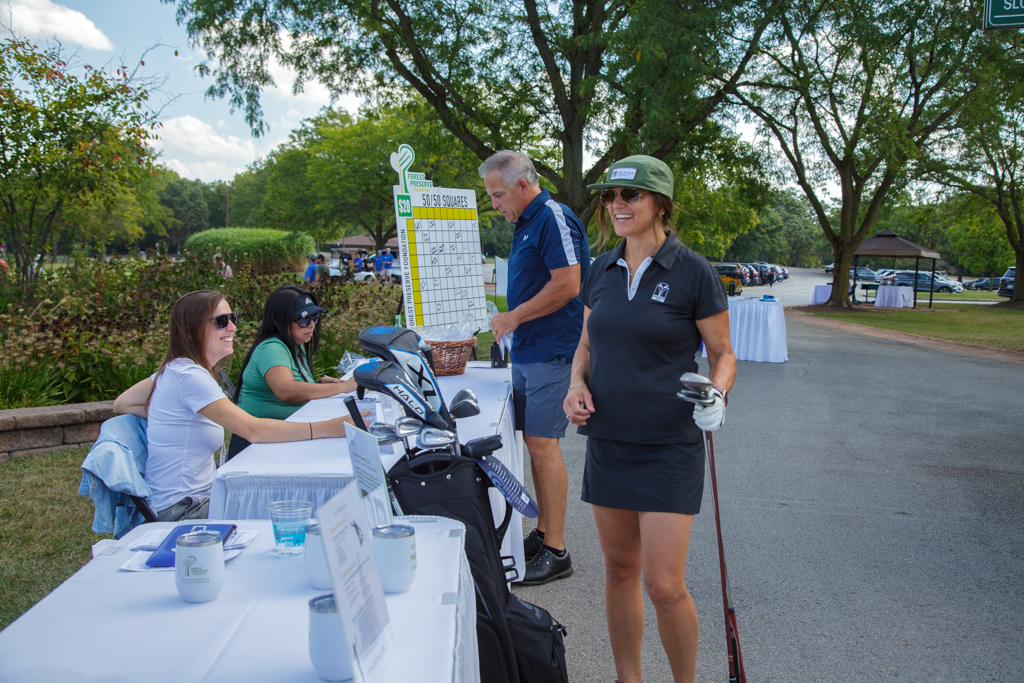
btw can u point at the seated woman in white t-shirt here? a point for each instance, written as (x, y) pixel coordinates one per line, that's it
(188, 411)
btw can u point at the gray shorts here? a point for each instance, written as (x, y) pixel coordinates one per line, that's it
(538, 392)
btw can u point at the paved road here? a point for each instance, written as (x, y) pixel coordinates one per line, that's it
(873, 521)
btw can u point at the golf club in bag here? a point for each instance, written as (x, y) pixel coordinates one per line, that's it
(518, 642)
(697, 389)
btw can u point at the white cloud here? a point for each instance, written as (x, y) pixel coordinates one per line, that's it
(44, 19)
(193, 149)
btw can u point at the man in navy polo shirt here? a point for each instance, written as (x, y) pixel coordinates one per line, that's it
(549, 260)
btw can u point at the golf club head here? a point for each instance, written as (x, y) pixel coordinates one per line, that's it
(388, 378)
(384, 433)
(406, 426)
(404, 347)
(431, 438)
(464, 407)
(696, 388)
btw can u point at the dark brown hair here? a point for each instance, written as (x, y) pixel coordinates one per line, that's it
(188, 330)
(663, 204)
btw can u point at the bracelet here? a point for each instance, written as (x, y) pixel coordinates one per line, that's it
(310, 430)
(576, 384)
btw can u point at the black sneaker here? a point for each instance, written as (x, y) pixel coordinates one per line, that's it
(545, 567)
(532, 544)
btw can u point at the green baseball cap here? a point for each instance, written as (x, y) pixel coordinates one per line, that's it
(641, 172)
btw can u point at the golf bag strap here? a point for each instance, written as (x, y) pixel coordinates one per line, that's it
(503, 527)
(508, 565)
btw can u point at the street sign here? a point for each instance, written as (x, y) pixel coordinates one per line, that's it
(1004, 14)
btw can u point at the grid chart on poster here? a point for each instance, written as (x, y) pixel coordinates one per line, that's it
(439, 244)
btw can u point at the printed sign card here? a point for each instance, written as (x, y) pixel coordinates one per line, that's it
(369, 634)
(366, 464)
(439, 249)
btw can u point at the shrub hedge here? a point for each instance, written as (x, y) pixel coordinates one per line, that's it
(268, 249)
(100, 327)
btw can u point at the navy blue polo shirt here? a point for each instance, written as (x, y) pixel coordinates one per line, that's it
(548, 236)
(641, 343)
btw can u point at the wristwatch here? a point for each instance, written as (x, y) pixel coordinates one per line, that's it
(725, 394)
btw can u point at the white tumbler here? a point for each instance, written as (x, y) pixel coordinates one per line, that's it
(315, 563)
(394, 548)
(199, 566)
(327, 646)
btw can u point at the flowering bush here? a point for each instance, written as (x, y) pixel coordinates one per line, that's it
(100, 327)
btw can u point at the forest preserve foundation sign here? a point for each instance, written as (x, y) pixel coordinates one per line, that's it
(439, 248)
(1004, 14)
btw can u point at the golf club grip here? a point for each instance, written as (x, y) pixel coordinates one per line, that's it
(353, 410)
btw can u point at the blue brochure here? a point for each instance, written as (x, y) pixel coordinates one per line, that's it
(164, 555)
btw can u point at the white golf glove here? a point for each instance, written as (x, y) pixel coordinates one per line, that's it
(710, 417)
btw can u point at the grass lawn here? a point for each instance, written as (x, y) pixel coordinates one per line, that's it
(997, 328)
(45, 528)
(966, 295)
(484, 339)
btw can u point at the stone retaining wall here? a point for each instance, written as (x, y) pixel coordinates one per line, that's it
(34, 431)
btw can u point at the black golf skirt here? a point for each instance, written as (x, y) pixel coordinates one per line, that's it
(644, 477)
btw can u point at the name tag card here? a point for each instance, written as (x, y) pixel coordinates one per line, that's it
(369, 635)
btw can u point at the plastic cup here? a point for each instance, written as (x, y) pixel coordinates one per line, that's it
(289, 518)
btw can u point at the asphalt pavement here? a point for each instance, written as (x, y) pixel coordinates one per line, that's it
(873, 518)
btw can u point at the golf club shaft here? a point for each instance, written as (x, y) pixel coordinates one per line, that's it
(736, 672)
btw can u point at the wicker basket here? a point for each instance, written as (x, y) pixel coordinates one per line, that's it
(450, 357)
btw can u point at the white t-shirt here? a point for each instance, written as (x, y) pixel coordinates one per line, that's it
(181, 441)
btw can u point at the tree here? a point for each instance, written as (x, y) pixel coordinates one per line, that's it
(553, 80)
(984, 153)
(979, 238)
(852, 92)
(187, 201)
(66, 139)
(247, 191)
(350, 172)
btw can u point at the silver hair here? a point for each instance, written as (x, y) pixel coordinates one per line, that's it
(513, 166)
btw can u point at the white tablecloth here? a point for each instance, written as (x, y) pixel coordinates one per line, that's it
(821, 294)
(894, 297)
(104, 624)
(758, 330)
(316, 470)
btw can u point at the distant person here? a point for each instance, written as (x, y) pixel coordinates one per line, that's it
(389, 260)
(357, 264)
(188, 412)
(346, 258)
(771, 277)
(310, 276)
(277, 376)
(649, 303)
(3, 267)
(3, 249)
(222, 267)
(378, 265)
(549, 259)
(323, 273)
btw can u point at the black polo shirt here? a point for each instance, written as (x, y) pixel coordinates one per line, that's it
(640, 347)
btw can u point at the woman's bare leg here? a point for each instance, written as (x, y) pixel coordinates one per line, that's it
(619, 533)
(666, 539)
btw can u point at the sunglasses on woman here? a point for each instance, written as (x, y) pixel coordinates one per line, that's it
(304, 322)
(628, 194)
(221, 321)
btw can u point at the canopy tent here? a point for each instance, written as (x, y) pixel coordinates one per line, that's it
(888, 243)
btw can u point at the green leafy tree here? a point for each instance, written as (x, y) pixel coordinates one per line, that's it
(68, 138)
(554, 80)
(979, 238)
(983, 155)
(289, 202)
(247, 191)
(186, 200)
(852, 92)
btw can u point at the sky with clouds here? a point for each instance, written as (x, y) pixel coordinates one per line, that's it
(200, 138)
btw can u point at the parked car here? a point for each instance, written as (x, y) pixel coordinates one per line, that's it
(1006, 282)
(983, 284)
(830, 267)
(883, 273)
(864, 274)
(733, 272)
(755, 274)
(904, 278)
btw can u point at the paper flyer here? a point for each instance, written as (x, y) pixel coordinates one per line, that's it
(364, 616)
(369, 471)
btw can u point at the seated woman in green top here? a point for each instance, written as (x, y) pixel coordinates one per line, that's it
(277, 376)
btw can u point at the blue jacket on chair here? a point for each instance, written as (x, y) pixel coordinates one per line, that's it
(113, 471)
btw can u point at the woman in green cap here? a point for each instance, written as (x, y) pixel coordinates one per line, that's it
(649, 303)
